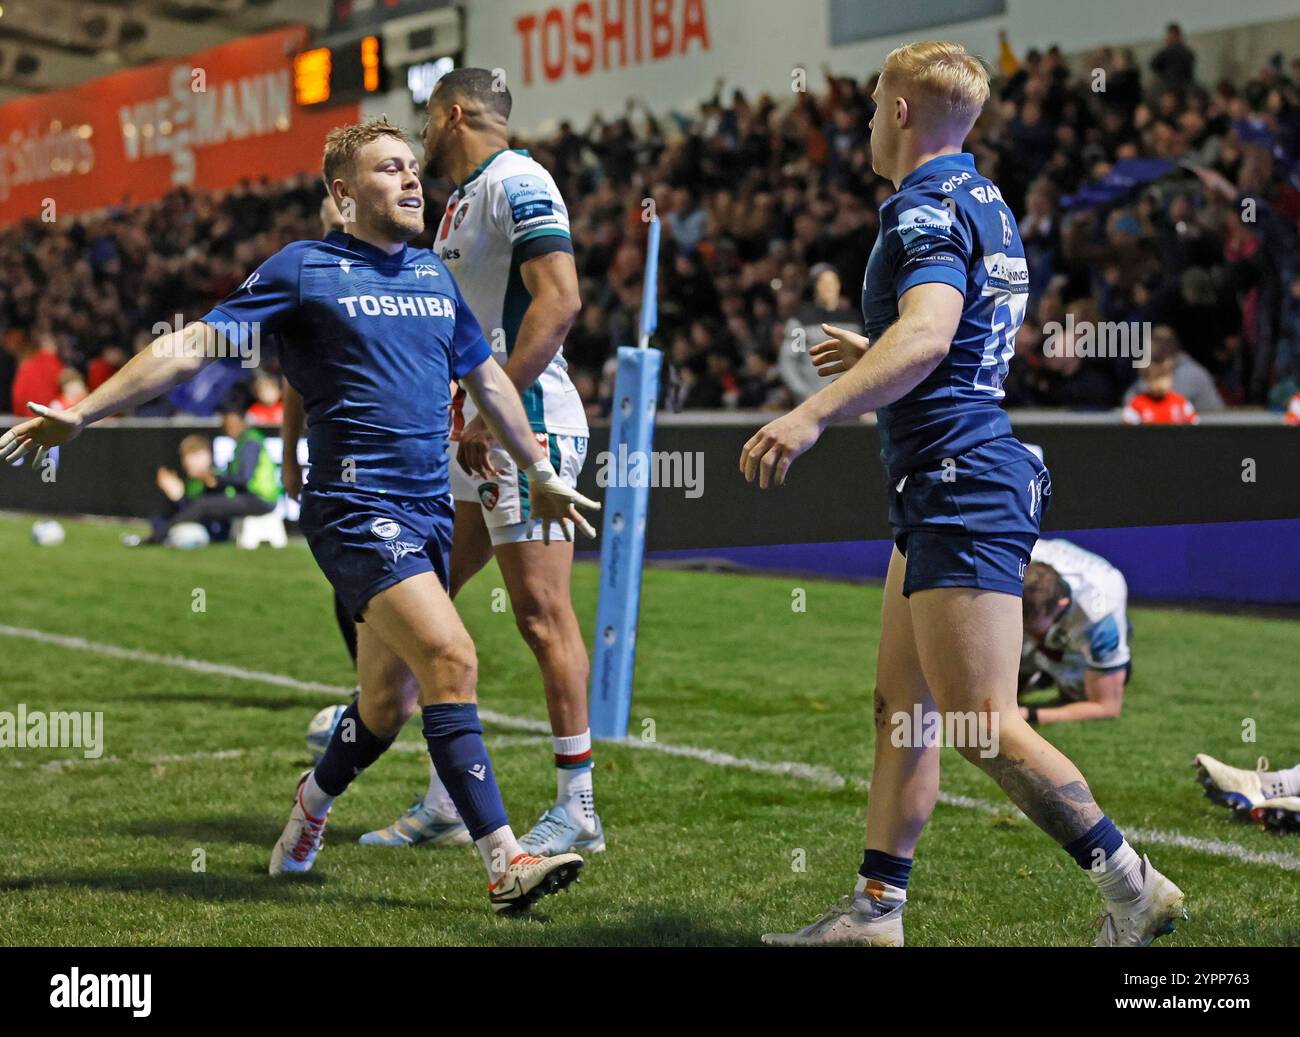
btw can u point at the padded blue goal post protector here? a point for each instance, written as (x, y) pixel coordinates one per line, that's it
(626, 503)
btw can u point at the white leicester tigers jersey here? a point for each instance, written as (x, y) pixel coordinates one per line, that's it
(495, 221)
(1095, 626)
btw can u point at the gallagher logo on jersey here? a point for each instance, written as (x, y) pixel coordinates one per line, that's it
(924, 221)
(528, 197)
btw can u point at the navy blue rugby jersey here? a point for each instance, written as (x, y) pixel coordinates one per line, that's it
(949, 224)
(371, 341)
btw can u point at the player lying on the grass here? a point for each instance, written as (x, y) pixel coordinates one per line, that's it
(944, 294)
(1076, 634)
(505, 235)
(1271, 798)
(371, 334)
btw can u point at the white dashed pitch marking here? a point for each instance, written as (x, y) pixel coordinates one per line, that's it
(822, 777)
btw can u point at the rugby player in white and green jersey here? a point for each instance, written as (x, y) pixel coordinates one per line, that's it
(505, 238)
(1076, 633)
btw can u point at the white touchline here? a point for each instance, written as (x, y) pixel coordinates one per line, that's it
(823, 776)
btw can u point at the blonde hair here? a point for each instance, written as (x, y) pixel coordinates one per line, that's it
(343, 143)
(947, 80)
(193, 444)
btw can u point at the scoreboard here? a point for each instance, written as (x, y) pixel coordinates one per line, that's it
(403, 46)
(340, 72)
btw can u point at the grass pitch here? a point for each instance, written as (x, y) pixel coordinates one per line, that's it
(165, 840)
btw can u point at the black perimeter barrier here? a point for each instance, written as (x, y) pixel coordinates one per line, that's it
(1103, 475)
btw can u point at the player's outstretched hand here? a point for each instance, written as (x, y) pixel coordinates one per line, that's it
(839, 352)
(51, 428)
(475, 453)
(773, 448)
(554, 500)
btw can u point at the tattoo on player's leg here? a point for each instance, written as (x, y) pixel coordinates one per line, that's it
(1065, 812)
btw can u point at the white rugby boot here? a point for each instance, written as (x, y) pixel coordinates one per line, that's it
(1137, 922)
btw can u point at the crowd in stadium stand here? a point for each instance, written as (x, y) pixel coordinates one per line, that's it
(769, 208)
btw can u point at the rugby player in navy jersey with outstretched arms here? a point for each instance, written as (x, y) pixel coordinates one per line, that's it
(944, 294)
(371, 334)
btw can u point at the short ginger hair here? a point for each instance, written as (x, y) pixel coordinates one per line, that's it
(947, 81)
(343, 143)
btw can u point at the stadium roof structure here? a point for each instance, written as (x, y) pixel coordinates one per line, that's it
(51, 44)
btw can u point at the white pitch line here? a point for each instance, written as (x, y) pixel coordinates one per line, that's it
(1215, 848)
(180, 662)
(820, 776)
(59, 766)
(823, 776)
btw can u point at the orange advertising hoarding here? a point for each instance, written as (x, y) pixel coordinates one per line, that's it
(207, 120)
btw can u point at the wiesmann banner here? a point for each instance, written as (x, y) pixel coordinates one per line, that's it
(207, 120)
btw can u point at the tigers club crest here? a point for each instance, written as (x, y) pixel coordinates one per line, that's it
(489, 493)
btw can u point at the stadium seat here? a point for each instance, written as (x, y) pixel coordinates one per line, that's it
(252, 531)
